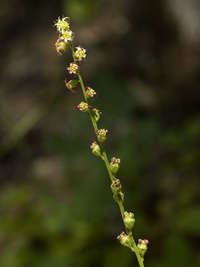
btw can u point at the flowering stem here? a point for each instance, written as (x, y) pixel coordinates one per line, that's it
(66, 40)
(133, 247)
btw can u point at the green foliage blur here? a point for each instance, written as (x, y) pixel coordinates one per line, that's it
(55, 201)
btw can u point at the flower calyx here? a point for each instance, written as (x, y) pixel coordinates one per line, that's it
(114, 165)
(142, 246)
(102, 135)
(83, 107)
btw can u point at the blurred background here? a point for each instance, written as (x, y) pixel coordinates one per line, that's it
(55, 202)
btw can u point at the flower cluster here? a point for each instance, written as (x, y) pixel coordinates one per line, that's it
(65, 40)
(65, 35)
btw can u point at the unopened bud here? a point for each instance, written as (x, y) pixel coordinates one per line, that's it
(96, 150)
(124, 239)
(129, 220)
(114, 165)
(61, 46)
(142, 246)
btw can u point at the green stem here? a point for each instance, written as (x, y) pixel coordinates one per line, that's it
(134, 247)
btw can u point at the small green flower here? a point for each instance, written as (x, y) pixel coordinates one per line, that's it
(142, 246)
(90, 93)
(61, 46)
(114, 165)
(101, 135)
(83, 106)
(116, 188)
(96, 150)
(62, 25)
(67, 36)
(124, 239)
(73, 68)
(129, 220)
(80, 53)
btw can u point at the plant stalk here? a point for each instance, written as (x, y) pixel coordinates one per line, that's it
(134, 247)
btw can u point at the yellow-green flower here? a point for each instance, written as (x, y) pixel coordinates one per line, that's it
(73, 68)
(83, 106)
(62, 25)
(80, 53)
(101, 135)
(67, 36)
(90, 92)
(61, 46)
(96, 150)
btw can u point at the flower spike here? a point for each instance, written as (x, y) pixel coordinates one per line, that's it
(65, 40)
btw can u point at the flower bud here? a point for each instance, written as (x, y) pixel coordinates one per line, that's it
(96, 114)
(83, 106)
(96, 150)
(114, 165)
(142, 246)
(124, 239)
(129, 220)
(90, 93)
(101, 135)
(73, 68)
(80, 53)
(61, 46)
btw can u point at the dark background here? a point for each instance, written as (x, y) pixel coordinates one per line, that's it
(55, 203)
